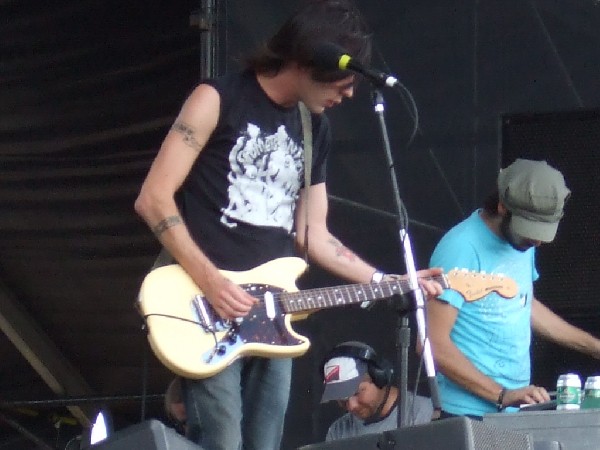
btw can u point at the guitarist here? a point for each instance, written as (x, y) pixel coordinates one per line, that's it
(226, 192)
(481, 348)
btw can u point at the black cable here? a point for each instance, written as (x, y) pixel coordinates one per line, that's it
(73, 440)
(75, 401)
(144, 380)
(407, 99)
(418, 377)
(183, 319)
(376, 416)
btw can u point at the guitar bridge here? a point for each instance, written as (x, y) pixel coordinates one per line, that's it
(204, 316)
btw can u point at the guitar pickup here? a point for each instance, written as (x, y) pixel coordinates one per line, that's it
(270, 305)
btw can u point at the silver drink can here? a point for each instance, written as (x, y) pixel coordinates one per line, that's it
(591, 396)
(568, 392)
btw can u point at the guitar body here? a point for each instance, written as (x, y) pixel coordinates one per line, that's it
(189, 338)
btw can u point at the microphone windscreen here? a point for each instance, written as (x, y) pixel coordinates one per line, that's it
(326, 56)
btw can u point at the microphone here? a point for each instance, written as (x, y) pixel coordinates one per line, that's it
(330, 56)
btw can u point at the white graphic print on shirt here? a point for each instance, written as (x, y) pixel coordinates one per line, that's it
(265, 179)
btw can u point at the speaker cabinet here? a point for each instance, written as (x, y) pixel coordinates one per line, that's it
(457, 433)
(576, 430)
(148, 435)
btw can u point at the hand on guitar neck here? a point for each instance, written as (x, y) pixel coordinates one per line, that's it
(427, 279)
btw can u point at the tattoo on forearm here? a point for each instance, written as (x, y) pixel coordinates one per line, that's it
(169, 222)
(342, 251)
(188, 134)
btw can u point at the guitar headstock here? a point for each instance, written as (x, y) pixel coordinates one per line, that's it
(475, 285)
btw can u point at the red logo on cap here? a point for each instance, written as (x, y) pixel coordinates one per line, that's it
(333, 374)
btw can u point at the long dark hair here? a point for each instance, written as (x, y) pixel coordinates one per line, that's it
(318, 21)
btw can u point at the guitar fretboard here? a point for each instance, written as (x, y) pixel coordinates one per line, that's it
(346, 294)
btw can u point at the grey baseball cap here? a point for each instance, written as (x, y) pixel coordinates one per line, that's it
(535, 193)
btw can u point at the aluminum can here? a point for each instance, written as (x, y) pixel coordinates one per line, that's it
(568, 392)
(591, 395)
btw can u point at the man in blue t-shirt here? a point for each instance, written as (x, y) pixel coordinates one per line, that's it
(481, 347)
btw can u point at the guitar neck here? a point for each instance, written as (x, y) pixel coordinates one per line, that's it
(329, 297)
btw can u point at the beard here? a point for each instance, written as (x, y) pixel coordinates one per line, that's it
(517, 242)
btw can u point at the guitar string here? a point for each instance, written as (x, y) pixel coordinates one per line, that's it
(279, 297)
(322, 292)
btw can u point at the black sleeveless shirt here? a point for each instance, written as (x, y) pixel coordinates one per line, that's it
(240, 196)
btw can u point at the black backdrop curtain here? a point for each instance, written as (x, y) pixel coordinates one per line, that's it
(89, 88)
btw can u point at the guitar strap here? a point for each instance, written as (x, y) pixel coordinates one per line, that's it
(307, 132)
(164, 258)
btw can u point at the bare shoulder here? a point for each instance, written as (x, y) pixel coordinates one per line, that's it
(204, 101)
(198, 117)
(203, 93)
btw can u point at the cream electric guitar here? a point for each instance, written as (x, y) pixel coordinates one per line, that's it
(190, 339)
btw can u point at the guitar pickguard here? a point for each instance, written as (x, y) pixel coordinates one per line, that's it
(259, 326)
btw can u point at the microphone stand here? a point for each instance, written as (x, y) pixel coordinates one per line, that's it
(403, 330)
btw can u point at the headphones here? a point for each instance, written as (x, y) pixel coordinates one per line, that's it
(379, 369)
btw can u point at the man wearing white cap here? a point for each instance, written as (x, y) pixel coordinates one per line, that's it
(482, 347)
(361, 382)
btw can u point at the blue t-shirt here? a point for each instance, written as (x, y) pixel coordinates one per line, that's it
(494, 333)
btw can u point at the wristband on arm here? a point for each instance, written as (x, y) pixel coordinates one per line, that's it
(377, 277)
(500, 399)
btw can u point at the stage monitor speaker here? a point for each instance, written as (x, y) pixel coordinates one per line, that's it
(457, 433)
(148, 435)
(576, 430)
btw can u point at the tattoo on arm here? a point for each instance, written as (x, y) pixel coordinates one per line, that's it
(188, 134)
(342, 251)
(169, 222)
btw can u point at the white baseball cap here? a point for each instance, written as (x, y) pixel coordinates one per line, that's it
(341, 376)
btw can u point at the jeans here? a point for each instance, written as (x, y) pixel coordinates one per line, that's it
(242, 407)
